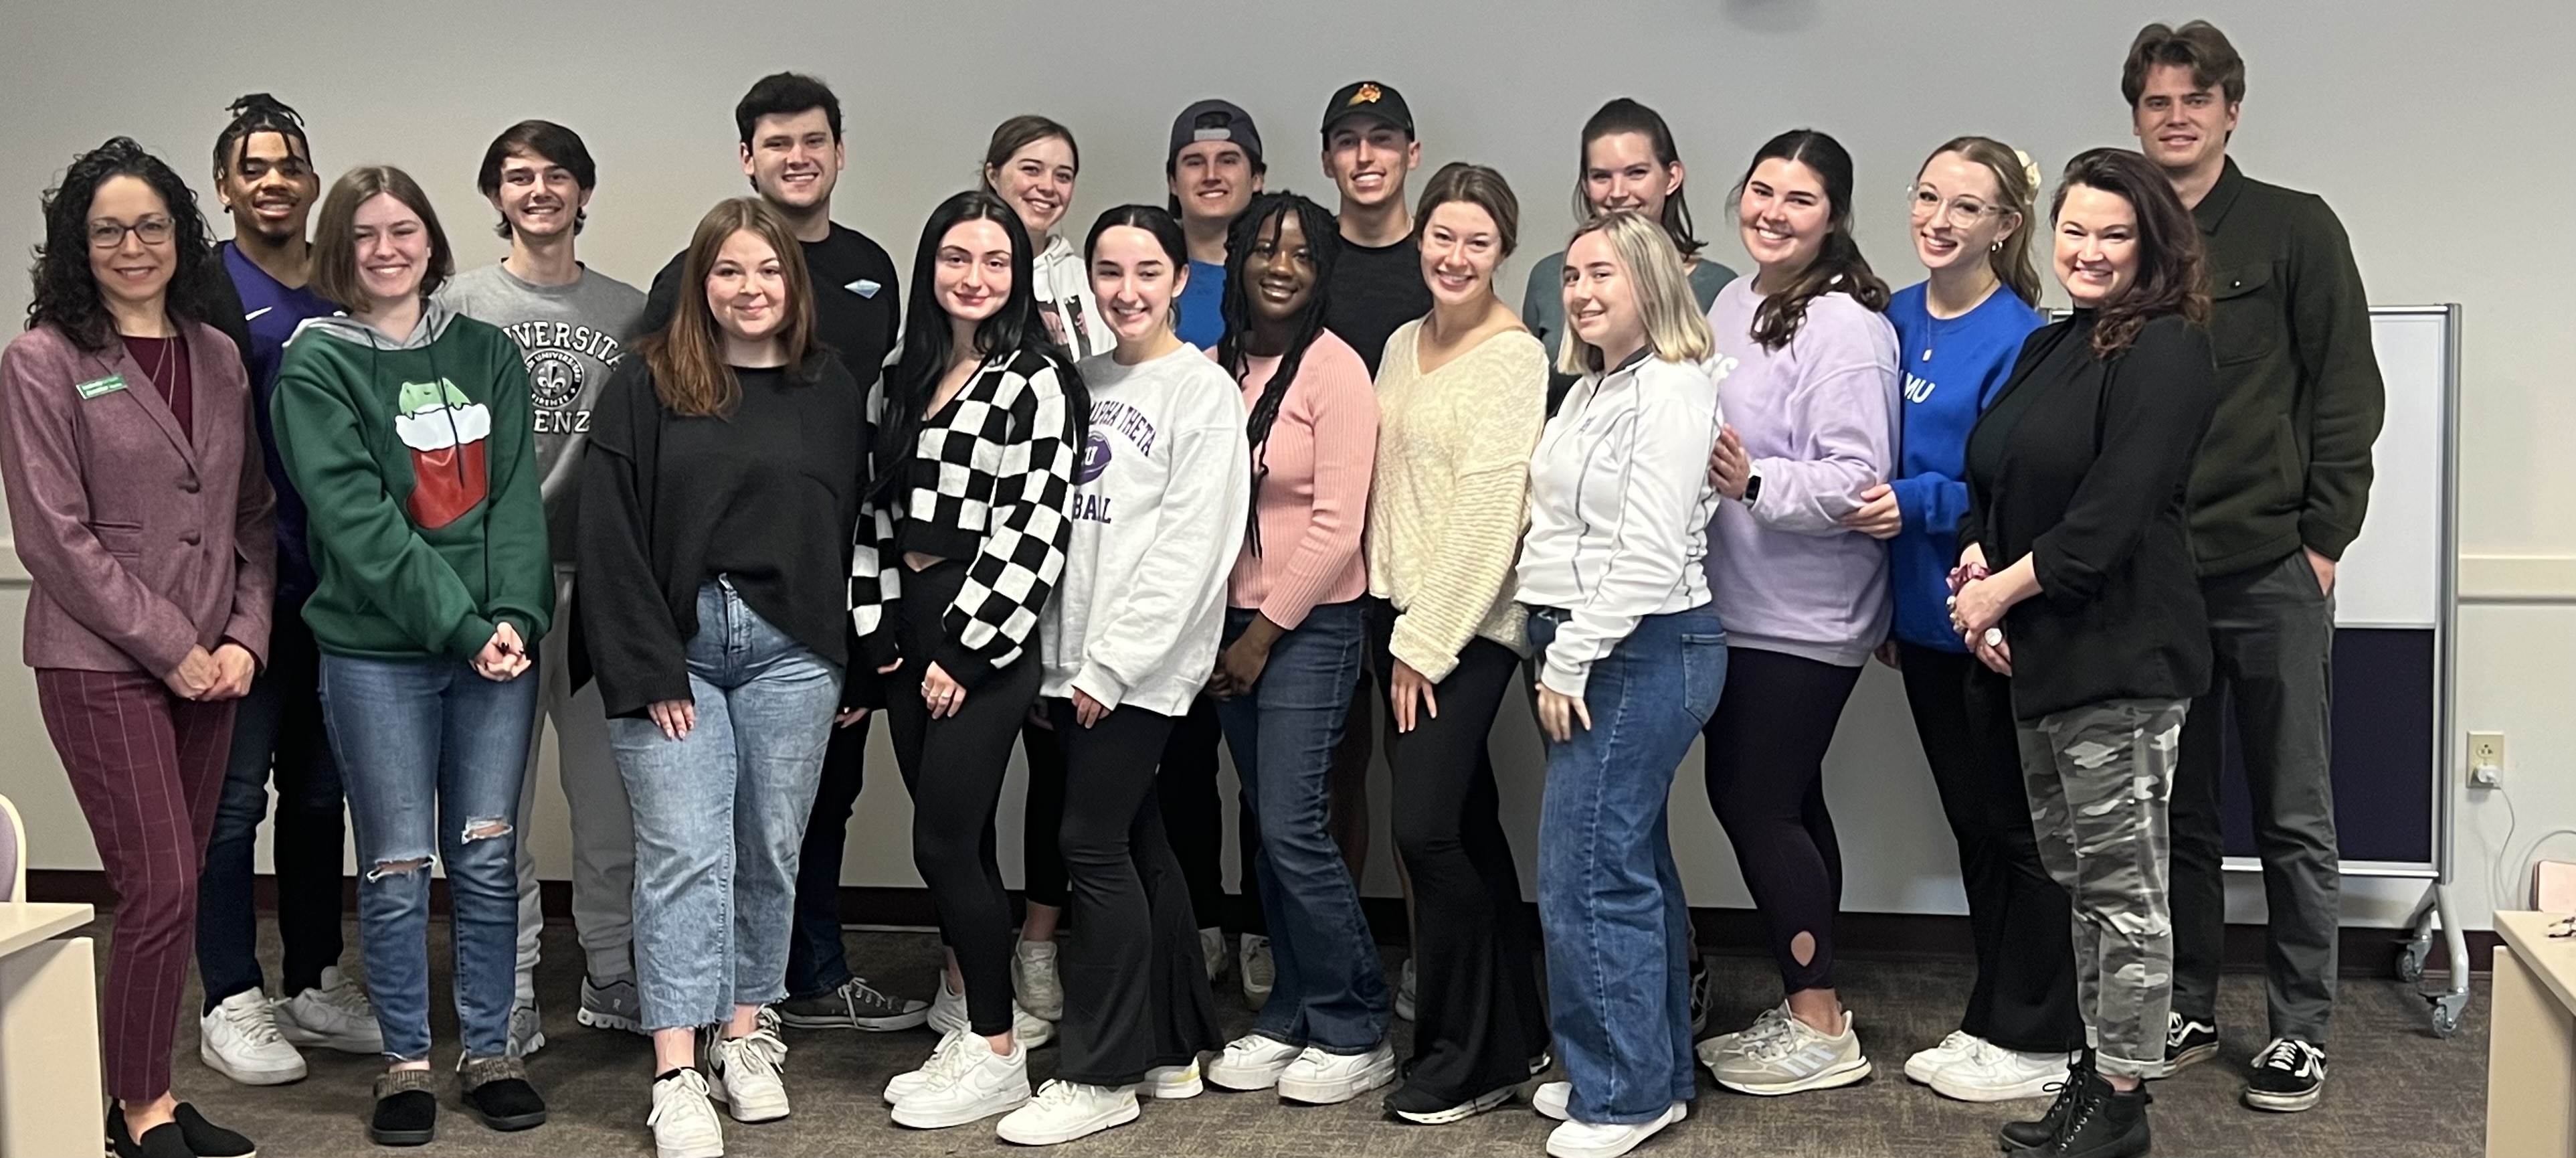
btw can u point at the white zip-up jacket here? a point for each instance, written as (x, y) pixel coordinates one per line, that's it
(1159, 503)
(1619, 508)
(1063, 288)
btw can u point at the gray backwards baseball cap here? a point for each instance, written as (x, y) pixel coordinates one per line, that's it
(1214, 120)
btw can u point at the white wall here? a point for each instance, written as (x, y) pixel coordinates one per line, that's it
(2408, 119)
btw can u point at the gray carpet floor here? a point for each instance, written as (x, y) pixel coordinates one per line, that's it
(2396, 1089)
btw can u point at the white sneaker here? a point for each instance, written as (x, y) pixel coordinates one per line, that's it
(1252, 1062)
(1171, 1083)
(1212, 948)
(1769, 1023)
(1590, 1140)
(1793, 1059)
(684, 1124)
(985, 1084)
(1991, 1073)
(948, 1015)
(1317, 1078)
(1957, 1047)
(945, 1058)
(1033, 979)
(1255, 970)
(527, 1032)
(332, 1015)
(1063, 1111)
(238, 1038)
(1549, 1100)
(743, 1073)
(1404, 992)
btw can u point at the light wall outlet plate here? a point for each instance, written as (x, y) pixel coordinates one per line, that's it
(2486, 759)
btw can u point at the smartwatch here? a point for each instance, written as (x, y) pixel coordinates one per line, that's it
(1752, 488)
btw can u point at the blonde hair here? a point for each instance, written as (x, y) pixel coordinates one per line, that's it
(1676, 331)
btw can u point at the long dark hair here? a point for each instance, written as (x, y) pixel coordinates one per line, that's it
(1259, 222)
(2170, 258)
(690, 375)
(1013, 329)
(1625, 115)
(67, 296)
(1839, 266)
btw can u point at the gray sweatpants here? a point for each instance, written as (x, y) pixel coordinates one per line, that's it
(2100, 778)
(603, 826)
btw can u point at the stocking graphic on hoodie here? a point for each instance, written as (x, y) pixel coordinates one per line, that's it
(445, 431)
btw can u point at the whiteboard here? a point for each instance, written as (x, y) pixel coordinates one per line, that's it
(2392, 575)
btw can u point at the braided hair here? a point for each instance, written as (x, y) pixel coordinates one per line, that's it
(1259, 223)
(254, 114)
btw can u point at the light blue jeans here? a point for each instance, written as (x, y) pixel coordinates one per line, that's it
(1609, 896)
(720, 815)
(431, 756)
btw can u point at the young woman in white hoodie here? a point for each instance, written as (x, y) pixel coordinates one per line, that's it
(1031, 164)
(1158, 511)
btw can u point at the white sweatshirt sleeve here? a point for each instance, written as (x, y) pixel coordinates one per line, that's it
(1197, 531)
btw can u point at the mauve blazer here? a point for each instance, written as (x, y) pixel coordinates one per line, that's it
(142, 541)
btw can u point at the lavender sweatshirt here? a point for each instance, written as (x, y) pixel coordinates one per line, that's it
(1818, 415)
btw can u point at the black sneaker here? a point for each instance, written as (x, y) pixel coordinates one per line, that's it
(406, 1109)
(2187, 1042)
(208, 1140)
(1699, 996)
(2289, 1076)
(1423, 1108)
(162, 1141)
(2103, 1123)
(497, 1089)
(855, 1004)
(2020, 1137)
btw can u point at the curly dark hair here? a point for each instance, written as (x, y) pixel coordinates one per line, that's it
(67, 297)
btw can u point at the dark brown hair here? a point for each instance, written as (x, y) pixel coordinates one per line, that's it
(686, 356)
(1625, 115)
(1477, 185)
(2170, 258)
(1839, 266)
(67, 296)
(335, 235)
(2018, 180)
(2199, 46)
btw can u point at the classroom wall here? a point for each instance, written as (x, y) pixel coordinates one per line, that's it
(2408, 120)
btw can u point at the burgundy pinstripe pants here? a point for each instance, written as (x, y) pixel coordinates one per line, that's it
(146, 766)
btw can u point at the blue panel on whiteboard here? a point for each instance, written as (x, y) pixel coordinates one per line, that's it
(2383, 749)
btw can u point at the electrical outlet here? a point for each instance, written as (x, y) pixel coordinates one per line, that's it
(2486, 759)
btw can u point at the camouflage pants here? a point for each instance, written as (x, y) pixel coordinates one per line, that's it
(2100, 780)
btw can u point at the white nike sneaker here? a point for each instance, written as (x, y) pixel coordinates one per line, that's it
(1063, 1111)
(945, 1058)
(985, 1084)
(1318, 1078)
(948, 1015)
(1033, 979)
(1252, 1062)
(1590, 1140)
(1957, 1047)
(1991, 1073)
(333, 1015)
(683, 1122)
(238, 1038)
(743, 1073)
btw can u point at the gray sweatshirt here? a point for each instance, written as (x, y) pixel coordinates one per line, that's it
(572, 336)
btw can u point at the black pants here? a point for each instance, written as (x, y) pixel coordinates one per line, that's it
(1195, 813)
(277, 735)
(1766, 780)
(2024, 998)
(817, 963)
(954, 768)
(1041, 860)
(1136, 992)
(1477, 1017)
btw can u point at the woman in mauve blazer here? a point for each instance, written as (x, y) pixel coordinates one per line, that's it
(143, 516)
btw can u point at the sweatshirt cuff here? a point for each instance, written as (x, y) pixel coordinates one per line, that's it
(1429, 664)
(471, 634)
(877, 649)
(2326, 538)
(969, 668)
(1095, 681)
(1565, 679)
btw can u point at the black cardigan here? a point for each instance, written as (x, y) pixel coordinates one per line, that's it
(2081, 465)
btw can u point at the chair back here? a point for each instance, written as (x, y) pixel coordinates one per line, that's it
(13, 853)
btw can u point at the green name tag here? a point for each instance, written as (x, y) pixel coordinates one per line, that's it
(97, 386)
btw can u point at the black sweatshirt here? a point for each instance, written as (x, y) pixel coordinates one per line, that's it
(2081, 464)
(765, 498)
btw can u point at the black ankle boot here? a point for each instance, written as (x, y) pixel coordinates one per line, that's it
(2036, 1133)
(2108, 1123)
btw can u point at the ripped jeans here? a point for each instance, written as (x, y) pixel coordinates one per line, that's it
(431, 755)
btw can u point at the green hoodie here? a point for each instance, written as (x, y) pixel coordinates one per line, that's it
(419, 476)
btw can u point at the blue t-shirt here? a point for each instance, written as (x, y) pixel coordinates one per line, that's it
(272, 311)
(1953, 369)
(1201, 321)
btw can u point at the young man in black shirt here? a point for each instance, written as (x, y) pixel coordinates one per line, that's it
(1377, 284)
(2276, 494)
(793, 154)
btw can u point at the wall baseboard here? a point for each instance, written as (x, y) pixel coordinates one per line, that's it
(2364, 952)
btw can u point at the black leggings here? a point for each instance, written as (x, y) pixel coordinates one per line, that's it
(954, 769)
(1136, 993)
(2024, 997)
(1041, 860)
(1766, 780)
(1192, 810)
(1477, 1020)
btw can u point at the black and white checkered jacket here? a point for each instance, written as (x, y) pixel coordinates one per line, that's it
(986, 484)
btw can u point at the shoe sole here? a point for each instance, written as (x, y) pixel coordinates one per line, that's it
(1336, 1092)
(1554, 1151)
(2039, 1087)
(2284, 1103)
(896, 1023)
(513, 1122)
(303, 1038)
(2185, 1060)
(1828, 1080)
(596, 1019)
(711, 1150)
(402, 1137)
(1171, 1091)
(1122, 1115)
(917, 1119)
(736, 1111)
(1458, 1113)
(215, 1061)
(1921, 1073)
(1244, 1083)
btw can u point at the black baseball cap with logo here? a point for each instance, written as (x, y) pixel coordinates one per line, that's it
(1214, 120)
(1368, 98)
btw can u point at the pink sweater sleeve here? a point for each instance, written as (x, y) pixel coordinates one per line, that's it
(1335, 406)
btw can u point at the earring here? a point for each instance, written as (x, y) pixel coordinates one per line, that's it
(1997, 247)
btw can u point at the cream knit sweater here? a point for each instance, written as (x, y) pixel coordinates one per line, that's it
(1451, 493)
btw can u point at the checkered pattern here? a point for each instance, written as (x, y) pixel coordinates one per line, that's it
(996, 463)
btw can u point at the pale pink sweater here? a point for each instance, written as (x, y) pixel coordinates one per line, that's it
(1314, 496)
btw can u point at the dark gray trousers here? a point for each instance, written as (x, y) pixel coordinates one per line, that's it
(2273, 632)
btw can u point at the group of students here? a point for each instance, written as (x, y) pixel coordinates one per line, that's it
(1233, 467)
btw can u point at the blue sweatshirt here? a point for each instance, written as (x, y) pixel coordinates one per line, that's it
(271, 312)
(1953, 368)
(1202, 305)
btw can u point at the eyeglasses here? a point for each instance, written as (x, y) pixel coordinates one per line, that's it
(1959, 211)
(107, 234)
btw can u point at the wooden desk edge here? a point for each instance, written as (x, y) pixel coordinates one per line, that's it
(25, 923)
(2552, 960)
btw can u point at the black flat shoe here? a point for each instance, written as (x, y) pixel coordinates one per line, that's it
(406, 1109)
(208, 1140)
(162, 1141)
(497, 1090)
